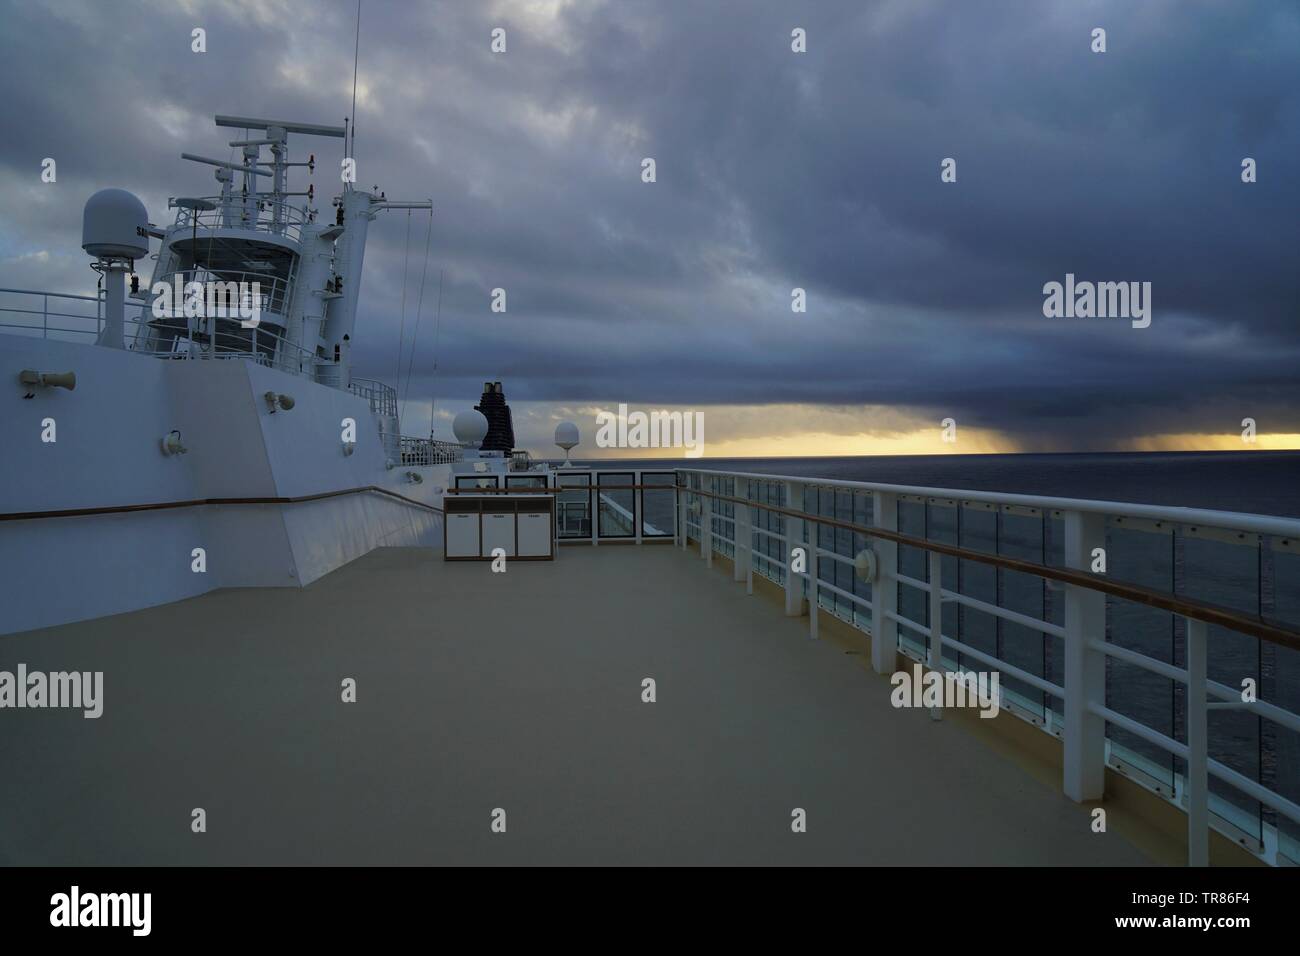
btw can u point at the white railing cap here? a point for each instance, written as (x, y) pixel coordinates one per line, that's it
(1235, 520)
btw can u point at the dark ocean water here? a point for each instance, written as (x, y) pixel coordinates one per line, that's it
(1257, 579)
(1264, 482)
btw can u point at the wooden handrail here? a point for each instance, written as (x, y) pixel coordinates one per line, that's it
(560, 489)
(199, 502)
(1252, 624)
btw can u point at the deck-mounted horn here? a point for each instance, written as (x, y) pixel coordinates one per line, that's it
(34, 379)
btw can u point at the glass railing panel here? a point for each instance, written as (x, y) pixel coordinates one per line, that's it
(821, 502)
(1281, 686)
(658, 508)
(864, 515)
(1020, 535)
(912, 562)
(840, 541)
(573, 508)
(724, 513)
(1145, 557)
(1054, 613)
(941, 524)
(617, 509)
(979, 629)
(773, 564)
(1226, 574)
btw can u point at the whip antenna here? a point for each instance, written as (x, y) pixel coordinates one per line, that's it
(356, 56)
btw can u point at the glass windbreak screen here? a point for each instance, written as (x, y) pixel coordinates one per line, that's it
(617, 508)
(1228, 573)
(1143, 556)
(658, 508)
(476, 481)
(1282, 664)
(573, 508)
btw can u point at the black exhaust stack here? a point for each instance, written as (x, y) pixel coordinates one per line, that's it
(501, 428)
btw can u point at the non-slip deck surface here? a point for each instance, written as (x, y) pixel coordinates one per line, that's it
(520, 691)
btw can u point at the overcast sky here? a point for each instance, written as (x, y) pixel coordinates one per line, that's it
(775, 170)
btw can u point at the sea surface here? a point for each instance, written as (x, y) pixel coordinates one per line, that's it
(1253, 577)
(1263, 482)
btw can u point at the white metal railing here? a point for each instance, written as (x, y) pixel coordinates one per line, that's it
(711, 501)
(54, 315)
(640, 507)
(271, 299)
(429, 451)
(73, 318)
(382, 397)
(263, 215)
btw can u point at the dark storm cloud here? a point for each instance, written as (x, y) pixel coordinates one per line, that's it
(776, 170)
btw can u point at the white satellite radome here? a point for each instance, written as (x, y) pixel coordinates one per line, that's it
(115, 225)
(470, 427)
(566, 437)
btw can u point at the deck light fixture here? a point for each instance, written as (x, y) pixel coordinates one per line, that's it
(172, 445)
(275, 402)
(865, 565)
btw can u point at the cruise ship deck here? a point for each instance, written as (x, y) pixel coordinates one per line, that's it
(520, 691)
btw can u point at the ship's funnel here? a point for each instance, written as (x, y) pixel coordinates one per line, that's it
(501, 429)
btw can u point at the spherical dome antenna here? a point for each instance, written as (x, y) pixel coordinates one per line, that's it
(470, 427)
(115, 225)
(566, 437)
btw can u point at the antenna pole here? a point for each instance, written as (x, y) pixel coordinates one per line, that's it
(356, 56)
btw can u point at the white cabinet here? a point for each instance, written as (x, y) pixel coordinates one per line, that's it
(520, 525)
(498, 532)
(462, 536)
(534, 534)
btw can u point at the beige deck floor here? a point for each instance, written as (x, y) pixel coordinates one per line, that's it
(519, 691)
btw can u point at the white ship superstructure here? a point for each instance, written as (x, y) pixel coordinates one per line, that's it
(200, 449)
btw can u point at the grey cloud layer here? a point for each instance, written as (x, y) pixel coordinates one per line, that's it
(775, 170)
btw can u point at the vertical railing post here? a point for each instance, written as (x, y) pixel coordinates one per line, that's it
(813, 577)
(1085, 668)
(742, 560)
(793, 539)
(686, 517)
(706, 530)
(677, 508)
(684, 514)
(638, 505)
(1197, 782)
(935, 658)
(45, 317)
(884, 589)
